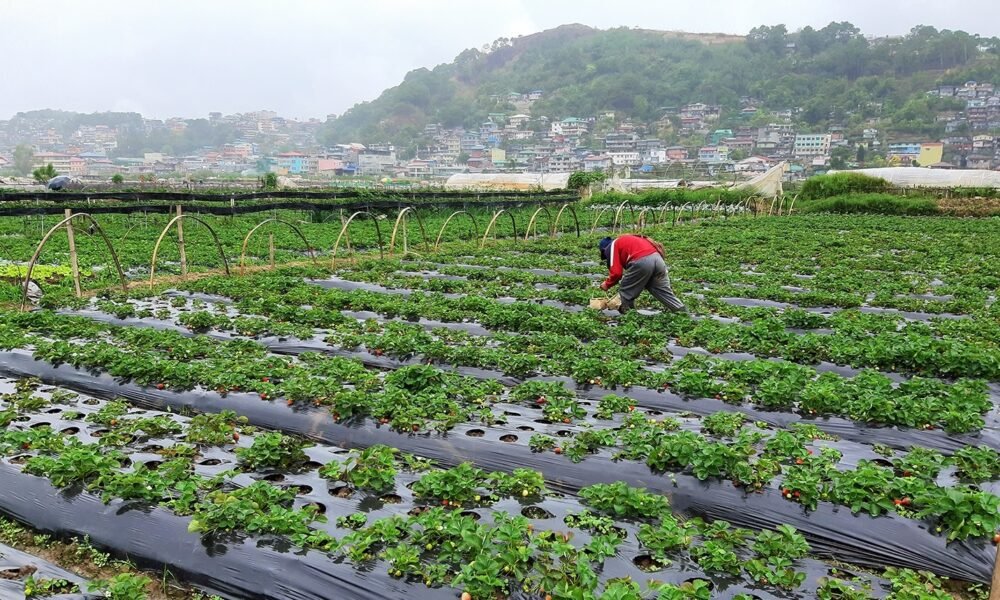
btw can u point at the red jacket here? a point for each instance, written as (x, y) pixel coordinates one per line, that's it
(623, 251)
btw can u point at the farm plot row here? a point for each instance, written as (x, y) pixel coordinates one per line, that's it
(576, 291)
(929, 265)
(773, 391)
(134, 237)
(745, 476)
(379, 522)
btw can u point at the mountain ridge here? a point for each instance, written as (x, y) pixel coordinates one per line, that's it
(827, 75)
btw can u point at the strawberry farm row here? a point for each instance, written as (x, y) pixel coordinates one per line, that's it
(748, 462)
(484, 532)
(894, 468)
(761, 388)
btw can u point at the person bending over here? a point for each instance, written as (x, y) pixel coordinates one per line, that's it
(637, 262)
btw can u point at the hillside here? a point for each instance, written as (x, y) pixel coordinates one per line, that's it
(833, 75)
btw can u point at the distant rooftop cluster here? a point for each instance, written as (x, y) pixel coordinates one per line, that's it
(698, 137)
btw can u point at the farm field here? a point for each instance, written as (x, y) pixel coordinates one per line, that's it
(822, 423)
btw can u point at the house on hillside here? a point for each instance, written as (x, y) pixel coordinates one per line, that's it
(596, 162)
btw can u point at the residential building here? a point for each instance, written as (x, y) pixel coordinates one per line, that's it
(930, 153)
(563, 162)
(713, 154)
(620, 142)
(596, 162)
(625, 159)
(519, 120)
(677, 153)
(64, 164)
(292, 163)
(811, 144)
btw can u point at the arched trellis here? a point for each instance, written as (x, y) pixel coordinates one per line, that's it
(640, 222)
(618, 215)
(493, 221)
(475, 226)
(378, 233)
(597, 219)
(246, 240)
(661, 216)
(572, 211)
(401, 219)
(45, 239)
(163, 234)
(791, 205)
(531, 222)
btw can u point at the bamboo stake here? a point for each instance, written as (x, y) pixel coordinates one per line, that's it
(180, 241)
(995, 583)
(270, 248)
(73, 263)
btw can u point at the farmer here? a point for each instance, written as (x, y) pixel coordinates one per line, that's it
(638, 262)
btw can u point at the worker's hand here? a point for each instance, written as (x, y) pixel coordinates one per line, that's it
(605, 287)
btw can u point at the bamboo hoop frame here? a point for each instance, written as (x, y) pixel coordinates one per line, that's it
(531, 223)
(378, 233)
(559, 214)
(493, 221)
(395, 228)
(246, 240)
(48, 235)
(618, 215)
(163, 234)
(597, 219)
(475, 226)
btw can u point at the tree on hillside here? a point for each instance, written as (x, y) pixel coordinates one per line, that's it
(23, 157)
(43, 174)
(839, 157)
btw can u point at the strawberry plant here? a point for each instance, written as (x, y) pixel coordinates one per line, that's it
(623, 501)
(272, 450)
(372, 469)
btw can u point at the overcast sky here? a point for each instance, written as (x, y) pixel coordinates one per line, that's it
(309, 58)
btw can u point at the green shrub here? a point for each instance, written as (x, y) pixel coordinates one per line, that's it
(838, 184)
(881, 204)
(672, 197)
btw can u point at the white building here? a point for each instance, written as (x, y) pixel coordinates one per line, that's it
(812, 144)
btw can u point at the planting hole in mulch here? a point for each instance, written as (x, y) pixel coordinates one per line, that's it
(342, 491)
(564, 433)
(70, 431)
(472, 515)
(475, 433)
(41, 424)
(18, 573)
(275, 477)
(210, 462)
(525, 428)
(320, 507)
(390, 498)
(536, 512)
(509, 438)
(647, 563)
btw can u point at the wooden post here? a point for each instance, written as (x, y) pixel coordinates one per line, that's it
(270, 248)
(74, 265)
(995, 583)
(180, 241)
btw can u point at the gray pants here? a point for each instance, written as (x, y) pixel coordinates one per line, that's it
(648, 273)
